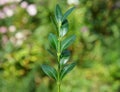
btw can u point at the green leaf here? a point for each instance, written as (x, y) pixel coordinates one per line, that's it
(66, 70)
(67, 42)
(53, 22)
(58, 13)
(67, 13)
(51, 52)
(50, 71)
(53, 40)
(64, 60)
(65, 53)
(64, 28)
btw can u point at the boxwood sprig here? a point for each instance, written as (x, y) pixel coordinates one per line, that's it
(59, 44)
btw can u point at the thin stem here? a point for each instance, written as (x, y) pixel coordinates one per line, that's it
(58, 82)
(58, 57)
(58, 87)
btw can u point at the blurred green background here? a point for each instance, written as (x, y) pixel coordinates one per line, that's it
(24, 29)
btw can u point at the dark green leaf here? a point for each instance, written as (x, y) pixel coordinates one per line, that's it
(53, 40)
(51, 52)
(66, 70)
(48, 70)
(54, 22)
(64, 28)
(67, 42)
(65, 53)
(67, 13)
(58, 13)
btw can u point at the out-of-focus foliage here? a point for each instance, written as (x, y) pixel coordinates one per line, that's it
(24, 28)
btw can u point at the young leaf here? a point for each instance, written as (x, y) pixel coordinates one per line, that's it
(67, 13)
(66, 70)
(67, 42)
(58, 13)
(64, 60)
(53, 40)
(48, 70)
(64, 28)
(65, 55)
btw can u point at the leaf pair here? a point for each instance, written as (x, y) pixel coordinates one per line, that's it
(65, 43)
(51, 72)
(62, 17)
(62, 20)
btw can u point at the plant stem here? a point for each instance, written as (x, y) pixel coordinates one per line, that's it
(58, 57)
(58, 87)
(58, 82)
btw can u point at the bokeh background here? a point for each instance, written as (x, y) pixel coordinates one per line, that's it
(24, 29)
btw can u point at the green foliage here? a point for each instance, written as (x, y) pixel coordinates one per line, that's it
(66, 70)
(60, 45)
(58, 13)
(67, 42)
(51, 72)
(64, 60)
(53, 40)
(96, 23)
(67, 13)
(64, 28)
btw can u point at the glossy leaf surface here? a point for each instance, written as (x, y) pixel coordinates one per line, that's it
(64, 28)
(65, 55)
(50, 71)
(66, 70)
(58, 13)
(67, 13)
(53, 40)
(64, 60)
(67, 42)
